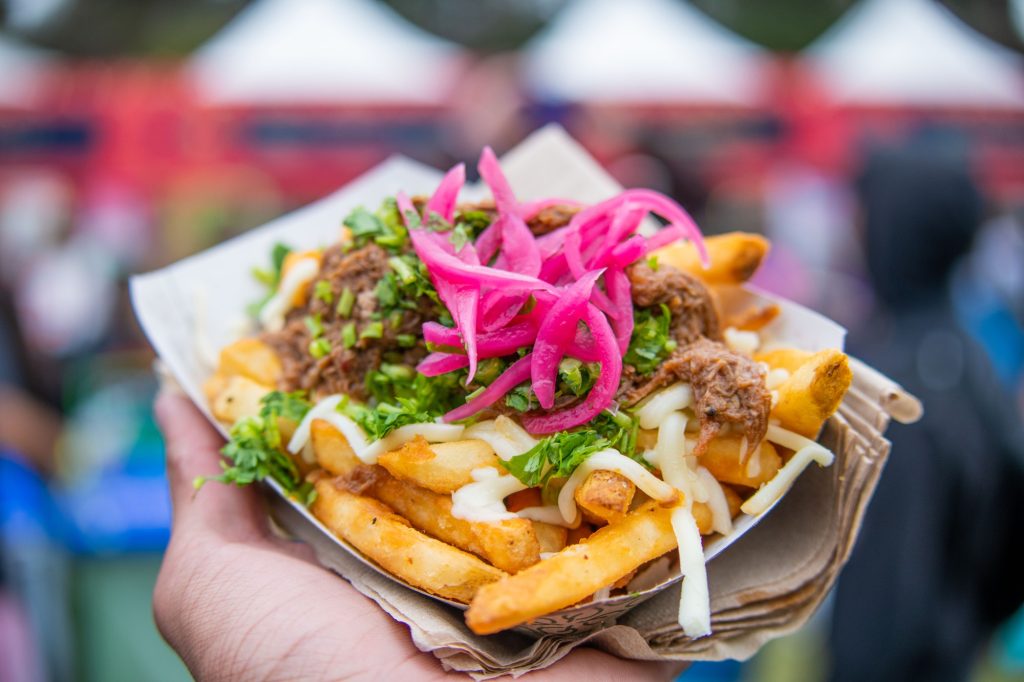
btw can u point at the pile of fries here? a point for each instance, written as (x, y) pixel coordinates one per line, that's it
(398, 512)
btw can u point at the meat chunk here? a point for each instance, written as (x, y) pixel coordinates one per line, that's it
(551, 218)
(343, 370)
(688, 300)
(729, 388)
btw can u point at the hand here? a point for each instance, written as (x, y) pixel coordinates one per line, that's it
(238, 603)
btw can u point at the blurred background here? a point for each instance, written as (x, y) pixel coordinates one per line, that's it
(878, 143)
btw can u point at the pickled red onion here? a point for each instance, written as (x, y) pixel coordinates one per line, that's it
(445, 196)
(517, 373)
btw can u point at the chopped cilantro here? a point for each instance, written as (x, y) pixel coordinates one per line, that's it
(315, 325)
(345, 303)
(577, 376)
(255, 449)
(270, 277)
(652, 340)
(319, 348)
(322, 291)
(652, 263)
(459, 237)
(521, 398)
(405, 340)
(385, 227)
(554, 458)
(472, 222)
(402, 396)
(374, 330)
(348, 335)
(405, 286)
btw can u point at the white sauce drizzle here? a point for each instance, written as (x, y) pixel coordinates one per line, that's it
(484, 499)
(505, 437)
(299, 275)
(432, 432)
(805, 452)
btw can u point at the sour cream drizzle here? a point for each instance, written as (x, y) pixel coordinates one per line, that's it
(483, 500)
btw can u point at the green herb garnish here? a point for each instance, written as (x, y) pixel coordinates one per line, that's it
(651, 341)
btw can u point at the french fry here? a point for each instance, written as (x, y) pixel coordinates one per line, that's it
(332, 450)
(733, 499)
(253, 359)
(789, 359)
(441, 467)
(574, 573)
(813, 392)
(753, 317)
(702, 515)
(734, 256)
(511, 545)
(523, 499)
(580, 532)
(240, 397)
(385, 537)
(724, 459)
(552, 538)
(605, 496)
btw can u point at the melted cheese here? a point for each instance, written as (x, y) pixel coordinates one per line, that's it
(299, 275)
(664, 403)
(805, 452)
(505, 437)
(611, 460)
(483, 500)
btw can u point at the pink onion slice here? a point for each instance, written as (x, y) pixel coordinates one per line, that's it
(517, 373)
(493, 344)
(517, 242)
(600, 396)
(443, 265)
(446, 195)
(436, 364)
(556, 333)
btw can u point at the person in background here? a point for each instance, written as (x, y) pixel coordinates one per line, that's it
(941, 552)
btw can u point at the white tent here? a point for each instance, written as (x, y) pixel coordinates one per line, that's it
(323, 52)
(915, 53)
(642, 51)
(21, 69)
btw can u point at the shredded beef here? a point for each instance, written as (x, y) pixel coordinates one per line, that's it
(729, 388)
(689, 301)
(552, 218)
(343, 370)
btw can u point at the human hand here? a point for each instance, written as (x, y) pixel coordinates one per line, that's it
(238, 603)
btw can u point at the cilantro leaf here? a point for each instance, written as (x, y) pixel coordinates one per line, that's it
(270, 277)
(385, 227)
(651, 341)
(402, 396)
(255, 449)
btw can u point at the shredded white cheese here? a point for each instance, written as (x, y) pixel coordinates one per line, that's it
(775, 378)
(805, 452)
(721, 519)
(740, 341)
(300, 274)
(694, 602)
(549, 514)
(483, 500)
(664, 403)
(611, 460)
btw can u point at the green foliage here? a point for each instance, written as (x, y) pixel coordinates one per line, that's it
(403, 396)
(384, 228)
(652, 340)
(269, 277)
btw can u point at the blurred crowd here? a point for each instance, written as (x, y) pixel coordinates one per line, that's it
(878, 143)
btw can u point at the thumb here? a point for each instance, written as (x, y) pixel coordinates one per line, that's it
(193, 451)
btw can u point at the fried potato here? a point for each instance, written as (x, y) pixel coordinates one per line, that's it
(813, 392)
(580, 532)
(605, 496)
(702, 515)
(332, 450)
(789, 359)
(253, 359)
(441, 467)
(552, 538)
(733, 499)
(574, 573)
(302, 294)
(523, 499)
(388, 539)
(735, 257)
(511, 545)
(240, 397)
(724, 459)
(752, 318)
